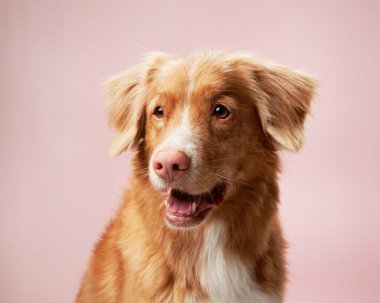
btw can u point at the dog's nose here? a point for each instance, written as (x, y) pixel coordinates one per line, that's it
(170, 164)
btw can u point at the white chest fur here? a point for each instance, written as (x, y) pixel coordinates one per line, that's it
(226, 279)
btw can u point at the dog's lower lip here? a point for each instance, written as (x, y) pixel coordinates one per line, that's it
(186, 210)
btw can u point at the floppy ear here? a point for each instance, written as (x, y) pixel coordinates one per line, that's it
(125, 109)
(126, 104)
(283, 103)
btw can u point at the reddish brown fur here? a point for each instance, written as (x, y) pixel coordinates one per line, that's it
(140, 259)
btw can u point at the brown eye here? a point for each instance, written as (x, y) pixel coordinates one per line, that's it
(158, 112)
(221, 112)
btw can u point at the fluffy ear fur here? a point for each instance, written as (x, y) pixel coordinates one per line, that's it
(125, 109)
(126, 104)
(283, 103)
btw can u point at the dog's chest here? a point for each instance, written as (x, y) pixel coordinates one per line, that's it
(226, 278)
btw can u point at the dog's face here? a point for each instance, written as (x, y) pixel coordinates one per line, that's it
(207, 123)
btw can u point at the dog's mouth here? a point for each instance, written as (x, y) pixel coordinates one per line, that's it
(187, 210)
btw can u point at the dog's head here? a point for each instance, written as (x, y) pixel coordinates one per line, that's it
(206, 123)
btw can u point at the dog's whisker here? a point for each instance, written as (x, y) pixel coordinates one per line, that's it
(226, 178)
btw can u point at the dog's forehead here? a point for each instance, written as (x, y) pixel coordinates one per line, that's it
(190, 79)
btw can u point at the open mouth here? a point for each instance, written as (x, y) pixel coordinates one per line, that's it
(187, 210)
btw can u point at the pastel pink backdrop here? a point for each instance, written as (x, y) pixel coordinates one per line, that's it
(59, 188)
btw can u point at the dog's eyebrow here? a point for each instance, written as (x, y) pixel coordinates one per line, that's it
(220, 95)
(170, 94)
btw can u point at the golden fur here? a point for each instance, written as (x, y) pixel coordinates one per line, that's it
(139, 258)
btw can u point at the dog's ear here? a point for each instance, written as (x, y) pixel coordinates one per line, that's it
(283, 102)
(125, 109)
(126, 105)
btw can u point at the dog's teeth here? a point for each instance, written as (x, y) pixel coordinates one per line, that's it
(166, 202)
(193, 207)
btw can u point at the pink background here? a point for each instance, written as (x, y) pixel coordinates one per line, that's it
(59, 188)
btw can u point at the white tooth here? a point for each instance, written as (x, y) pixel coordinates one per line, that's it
(193, 207)
(166, 202)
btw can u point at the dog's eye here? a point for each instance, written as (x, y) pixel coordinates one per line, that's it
(221, 112)
(158, 112)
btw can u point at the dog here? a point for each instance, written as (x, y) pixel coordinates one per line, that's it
(200, 221)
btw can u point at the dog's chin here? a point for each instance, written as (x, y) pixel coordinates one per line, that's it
(185, 210)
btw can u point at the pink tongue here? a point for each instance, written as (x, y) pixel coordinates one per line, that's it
(178, 206)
